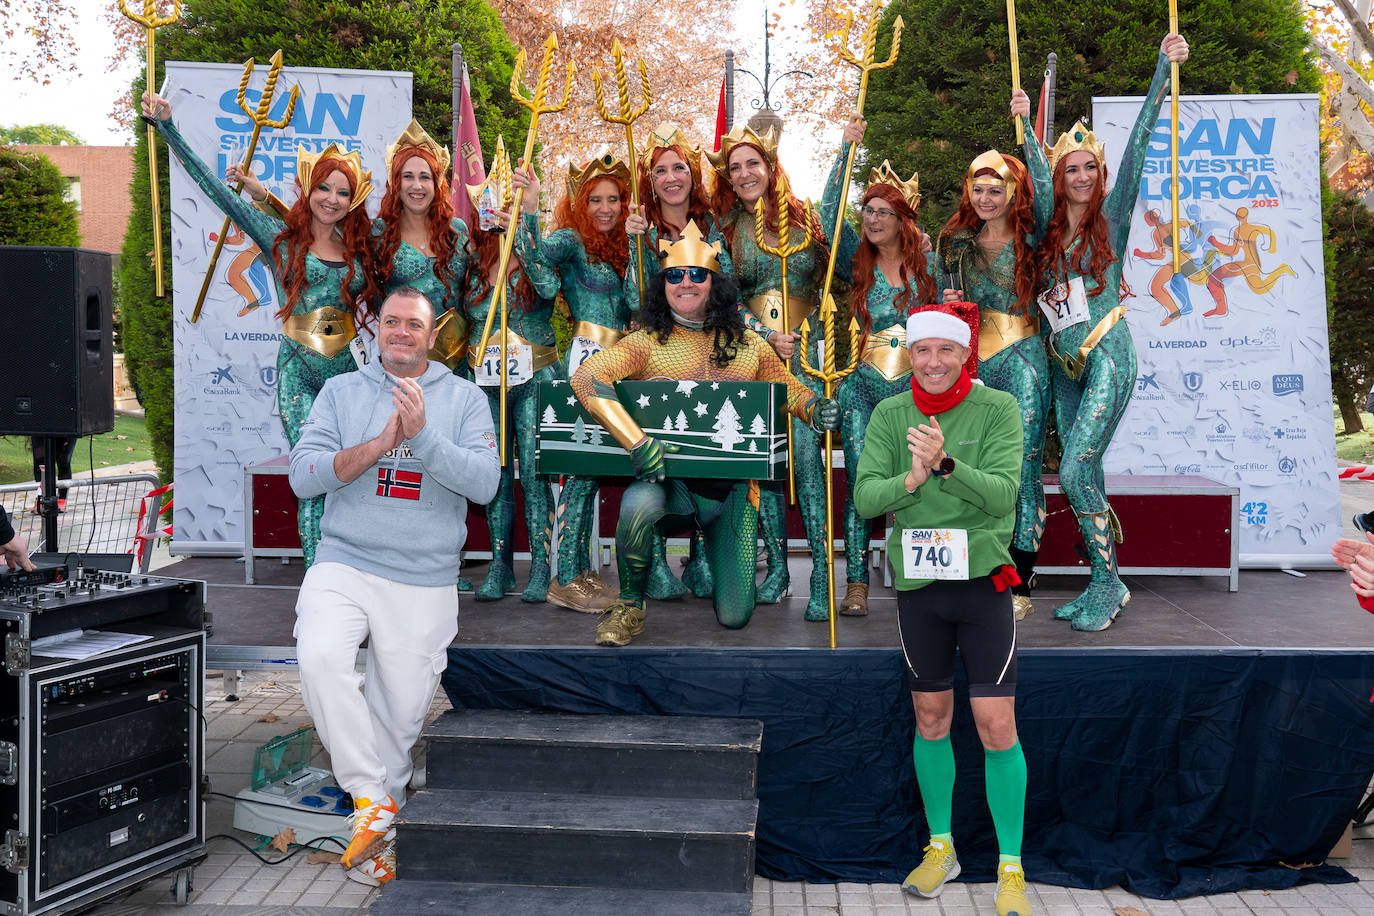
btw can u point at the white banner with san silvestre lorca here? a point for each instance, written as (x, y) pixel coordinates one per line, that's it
(226, 364)
(1234, 381)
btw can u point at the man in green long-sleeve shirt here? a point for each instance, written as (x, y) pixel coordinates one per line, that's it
(946, 458)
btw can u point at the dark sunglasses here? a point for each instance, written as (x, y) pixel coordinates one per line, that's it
(675, 274)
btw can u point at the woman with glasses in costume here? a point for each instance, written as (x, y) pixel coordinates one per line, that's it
(1079, 262)
(747, 170)
(986, 255)
(591, 252)
(691, 329)
(323, 269)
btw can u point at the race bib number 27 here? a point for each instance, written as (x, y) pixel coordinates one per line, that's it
(935, 553)
(1065, 304)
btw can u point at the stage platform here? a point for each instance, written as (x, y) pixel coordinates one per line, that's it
(1272, 609)
(1209, 741)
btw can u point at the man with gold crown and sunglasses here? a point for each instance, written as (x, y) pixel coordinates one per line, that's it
(591, 252)
(322, 266)
(690, 328)
(530, 294)
(1093, 361)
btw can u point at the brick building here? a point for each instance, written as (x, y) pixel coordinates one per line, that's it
(99, 177)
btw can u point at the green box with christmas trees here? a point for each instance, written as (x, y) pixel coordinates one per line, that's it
(724, 430)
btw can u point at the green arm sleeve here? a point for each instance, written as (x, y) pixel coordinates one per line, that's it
(880, 483)
(261, 228)
(848, 242)
(991, 486)
(1121, 201)
(1042, 183)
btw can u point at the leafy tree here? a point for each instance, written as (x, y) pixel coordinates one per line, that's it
(414, 35)
(1341, 35)
(1350, 289)
(39, 135)
(945, 100)
(34, 209)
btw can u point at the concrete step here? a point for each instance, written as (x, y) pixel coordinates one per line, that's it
(538, 838)
(658, 756)
(404, 897)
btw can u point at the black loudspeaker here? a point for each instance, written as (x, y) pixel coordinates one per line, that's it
(57, 371)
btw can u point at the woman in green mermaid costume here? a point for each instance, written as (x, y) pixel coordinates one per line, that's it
(890, 277)
(590, 251)
(1079, 261)
(985, 255)
(530, 293)
(747, 170)
(692, 330)
(322, 266)
(420, 242)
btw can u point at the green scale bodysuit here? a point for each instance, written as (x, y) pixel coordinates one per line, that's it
(1088, 407)
(533, 322)
(1021, 368)
(595, 293)
(301, 371)
(758, 272)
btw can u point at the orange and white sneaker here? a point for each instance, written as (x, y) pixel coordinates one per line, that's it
(377, 870)
(371, 829)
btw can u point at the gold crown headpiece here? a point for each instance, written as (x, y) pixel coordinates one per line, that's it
(605, 167)
(745, 134)
(1074, 139)
(352, 162)
(990, 160)
(910, 190)
(663, 136)
(416, 137)
(689, 251)
(498, 179)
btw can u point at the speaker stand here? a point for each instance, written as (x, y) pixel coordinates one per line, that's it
(47, 499)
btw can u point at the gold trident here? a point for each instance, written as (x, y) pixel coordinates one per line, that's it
(628, 115)
(827, 372)
(1173, 139)
(151, 22)
(537, 105)
(782, 251)
(260, 120)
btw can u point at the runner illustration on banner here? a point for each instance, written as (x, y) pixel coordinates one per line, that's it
(1245, 242)
(247, 271)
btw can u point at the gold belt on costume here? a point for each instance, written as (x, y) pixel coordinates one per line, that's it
(598, 334)
(886, 352)
(325, 331)
(998, 330)
(768, 308)
(541, 356)
(1073, 363)
(451, 345)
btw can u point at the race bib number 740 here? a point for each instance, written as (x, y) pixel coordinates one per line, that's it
(935, 553)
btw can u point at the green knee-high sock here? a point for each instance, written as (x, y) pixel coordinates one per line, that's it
(1005, 776)
(935, 776)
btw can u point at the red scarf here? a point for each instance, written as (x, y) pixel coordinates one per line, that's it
(931, 404)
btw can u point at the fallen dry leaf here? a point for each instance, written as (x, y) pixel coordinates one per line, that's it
(282, 842)
(268, 717)
(321, 857)
(1129, 911)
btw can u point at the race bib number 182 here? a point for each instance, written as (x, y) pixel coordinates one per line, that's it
(935, 553)
(519, 365)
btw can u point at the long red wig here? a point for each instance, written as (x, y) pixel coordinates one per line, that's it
(698, 207)
(440, 220)
(1021, 219)
(723, 199)
(918, 286)
(297, 238)
(487, 246)
(611, 247)
(1049, 256)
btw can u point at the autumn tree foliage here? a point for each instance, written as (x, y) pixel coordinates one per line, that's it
(1341, 35)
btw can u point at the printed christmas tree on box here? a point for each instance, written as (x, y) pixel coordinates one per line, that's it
(725, 430)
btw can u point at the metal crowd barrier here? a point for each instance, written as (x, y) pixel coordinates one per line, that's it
(103, 515)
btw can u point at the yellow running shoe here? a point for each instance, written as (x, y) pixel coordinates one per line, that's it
(938, 868)
(371, 829)
(1011, 891)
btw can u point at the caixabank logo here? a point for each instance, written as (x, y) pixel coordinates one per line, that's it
(221, 382)
(1288, 383)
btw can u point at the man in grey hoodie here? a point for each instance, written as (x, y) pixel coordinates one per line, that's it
(397, 448)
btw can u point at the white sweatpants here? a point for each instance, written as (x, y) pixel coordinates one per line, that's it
(369, 732)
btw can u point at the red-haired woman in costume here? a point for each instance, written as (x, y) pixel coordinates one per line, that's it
(323, 268)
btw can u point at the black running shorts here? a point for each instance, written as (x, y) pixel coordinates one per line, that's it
(970, 615)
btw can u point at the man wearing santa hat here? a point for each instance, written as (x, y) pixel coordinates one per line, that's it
(946, 458)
